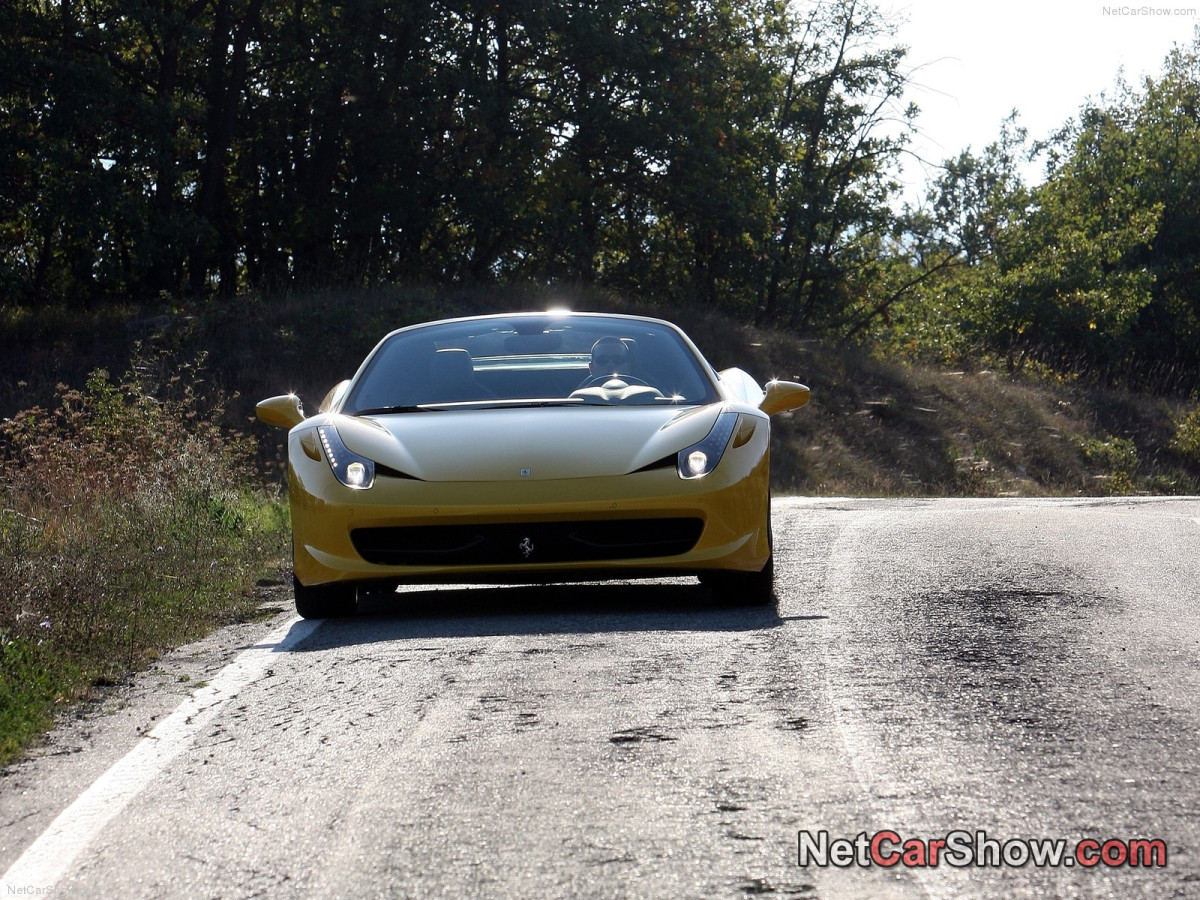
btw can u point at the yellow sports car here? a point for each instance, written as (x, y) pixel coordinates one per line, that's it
(531, 447)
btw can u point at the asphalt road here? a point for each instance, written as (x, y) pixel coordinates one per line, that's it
(983, 672)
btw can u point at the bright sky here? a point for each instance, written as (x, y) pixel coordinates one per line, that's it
(1042, 57)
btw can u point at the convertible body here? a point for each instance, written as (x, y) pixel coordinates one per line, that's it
(500, 449)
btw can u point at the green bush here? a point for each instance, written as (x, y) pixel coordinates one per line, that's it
(127, 526)
(1117, 462)
(1187, 436)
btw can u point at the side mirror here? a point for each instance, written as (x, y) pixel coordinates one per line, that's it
(334, 395)
(743, 385)
(782, 396)
(281, 412)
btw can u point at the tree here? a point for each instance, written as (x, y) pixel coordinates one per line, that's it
(831, 185)
(727, 152)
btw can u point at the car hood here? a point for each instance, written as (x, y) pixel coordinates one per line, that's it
(514, 444)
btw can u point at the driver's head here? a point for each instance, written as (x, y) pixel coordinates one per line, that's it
(609, 357)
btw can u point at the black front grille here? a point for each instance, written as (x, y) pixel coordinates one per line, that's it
(532, 542)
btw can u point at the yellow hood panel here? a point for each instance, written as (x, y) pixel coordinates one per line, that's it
(517, 444)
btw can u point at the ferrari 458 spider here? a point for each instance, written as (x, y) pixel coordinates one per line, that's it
(532, 447)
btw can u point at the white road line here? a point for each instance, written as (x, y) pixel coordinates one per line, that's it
(47, 859)
(860, 750)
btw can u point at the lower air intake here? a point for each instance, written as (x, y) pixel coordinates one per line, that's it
(527, 542)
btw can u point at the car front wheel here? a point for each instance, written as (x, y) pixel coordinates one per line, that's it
(743, 588)
(326, 601)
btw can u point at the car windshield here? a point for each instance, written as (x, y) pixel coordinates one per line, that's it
(530, 361)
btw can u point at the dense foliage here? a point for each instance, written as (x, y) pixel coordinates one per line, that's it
(739, 155)
(730, 152)
(1096, 270)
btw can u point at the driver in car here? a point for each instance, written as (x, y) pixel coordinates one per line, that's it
(609, 357)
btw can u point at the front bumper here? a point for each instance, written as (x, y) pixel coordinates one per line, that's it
(731, 505)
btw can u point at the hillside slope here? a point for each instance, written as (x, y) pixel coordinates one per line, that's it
(873, 427)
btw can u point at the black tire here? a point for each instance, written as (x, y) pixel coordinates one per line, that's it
(326, 601)
(743, 588)
(747, 588)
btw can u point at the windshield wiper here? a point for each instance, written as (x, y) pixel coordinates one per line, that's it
(532, 403)
(501, 403)
(390, 410)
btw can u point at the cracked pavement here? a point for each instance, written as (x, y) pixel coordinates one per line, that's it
(1029, 668)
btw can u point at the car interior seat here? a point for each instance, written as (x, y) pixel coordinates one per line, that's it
(452, 378)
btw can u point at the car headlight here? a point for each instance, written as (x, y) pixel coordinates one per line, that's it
(699, 459)
(348, 467)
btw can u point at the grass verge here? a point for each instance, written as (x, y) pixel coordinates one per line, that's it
(129, 524)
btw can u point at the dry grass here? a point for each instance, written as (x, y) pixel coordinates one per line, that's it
(129, 523)
(874, 427)
(881, 428)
